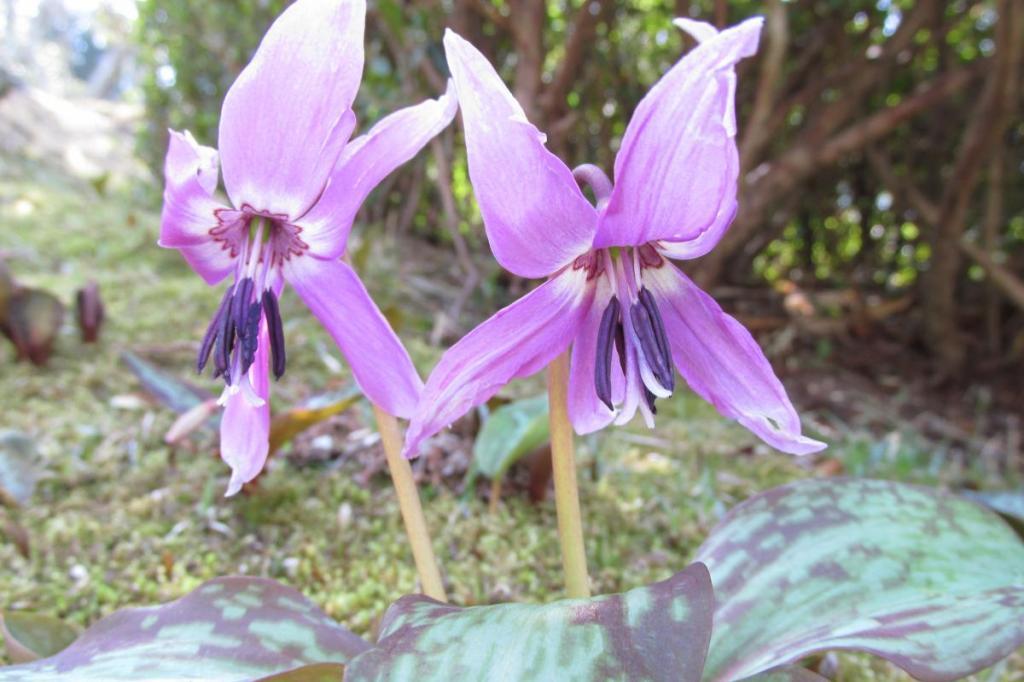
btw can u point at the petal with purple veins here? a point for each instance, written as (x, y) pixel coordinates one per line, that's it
(379, 361)
(517, 341)
(723, 364)
(366, 161)
(676, 167)
(287, 117)
(536, 217)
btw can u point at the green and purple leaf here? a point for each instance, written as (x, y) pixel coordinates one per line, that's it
(658, 632)
(228, 629)
(1007, 503)
(789, 673)
(930, 581)
(30, 636)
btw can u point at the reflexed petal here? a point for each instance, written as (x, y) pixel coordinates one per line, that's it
(244, 429)
(190, 172)
(723, 364)
(586, 410)
(379, 361)
(515, 342)
(536, 217)
(366, 161)
(288, 115)
(676, 166)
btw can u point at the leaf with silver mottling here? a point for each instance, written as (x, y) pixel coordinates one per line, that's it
(228, 629)
(930, 581)
(658, 632)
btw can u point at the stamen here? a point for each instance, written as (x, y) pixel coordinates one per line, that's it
(225, 339)
(620, 344)
(649, 398)
(644, 327)
(647, 299)
(251, 338)
(240, 306)
(276, 330)
(211, 333)
(610, 323)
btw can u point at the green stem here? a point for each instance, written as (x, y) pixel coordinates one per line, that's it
(567, 499)
(409, 504)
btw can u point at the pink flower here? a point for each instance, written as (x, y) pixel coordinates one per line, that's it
(295, 182)
(612, 294)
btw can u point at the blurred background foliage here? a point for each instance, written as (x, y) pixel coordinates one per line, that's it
(875, 137)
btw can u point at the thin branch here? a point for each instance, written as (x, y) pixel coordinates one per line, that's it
(873, 127)
(580, 40)
(902, 186)
(757, 134)
(1008, 283)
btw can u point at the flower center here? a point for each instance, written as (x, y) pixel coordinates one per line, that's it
(261, 243)
(631, 325)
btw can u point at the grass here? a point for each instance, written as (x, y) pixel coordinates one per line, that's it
(118, 521)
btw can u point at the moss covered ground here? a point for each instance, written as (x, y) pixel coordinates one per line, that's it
(118, 520)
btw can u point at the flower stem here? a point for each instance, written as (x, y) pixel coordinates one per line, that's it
(409, 504)
(567, 499)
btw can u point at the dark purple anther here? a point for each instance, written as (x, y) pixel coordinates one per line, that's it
(225, 344)
(211, 332)
(606, 332)
(644, 327)
(240, 306)
(647, 299)
(251, 338)
(276, 331)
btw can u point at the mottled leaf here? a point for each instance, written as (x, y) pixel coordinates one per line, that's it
(658, 632)
(227, 629)
(318, 672)
(786, 674)
(512, 431)
(18, 468)
(177, 394)
(1008, 503)
(287, 425)
(29, 636)
(928, 580)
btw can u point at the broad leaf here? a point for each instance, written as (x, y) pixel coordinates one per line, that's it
(29, 636)
(512, 431)
(659, 632)
(287, 425)
(172, 392)
(1008, 503)
(228, 629)
(790, 673)
(18, 468)
(928, 580)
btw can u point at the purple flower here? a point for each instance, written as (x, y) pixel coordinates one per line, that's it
(628, 312)
(295, 181)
